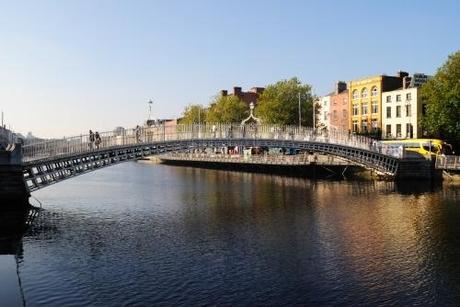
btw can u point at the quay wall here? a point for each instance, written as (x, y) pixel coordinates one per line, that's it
(315, 171)
(14, 193)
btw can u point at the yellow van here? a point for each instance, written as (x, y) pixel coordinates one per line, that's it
(423, 146)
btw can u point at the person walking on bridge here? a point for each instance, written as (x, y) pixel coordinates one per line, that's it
(91, 139)
(98, 140)
(138, 134)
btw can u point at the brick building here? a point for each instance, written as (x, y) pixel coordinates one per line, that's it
(250, 96)
(339, 108)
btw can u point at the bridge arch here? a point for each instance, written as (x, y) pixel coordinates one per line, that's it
(47, 164)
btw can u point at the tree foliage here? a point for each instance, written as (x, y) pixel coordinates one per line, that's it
(194, 114)
(279, 103)
(442, 97)
(226, 109)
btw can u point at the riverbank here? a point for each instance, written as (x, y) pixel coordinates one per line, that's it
(311, 170)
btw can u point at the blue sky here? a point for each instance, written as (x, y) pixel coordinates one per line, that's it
(68, 66)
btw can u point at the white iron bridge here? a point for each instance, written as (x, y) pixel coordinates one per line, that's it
(52, 161)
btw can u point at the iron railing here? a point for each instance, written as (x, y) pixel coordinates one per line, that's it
(448, 162)
(162, 133)
(270, 159)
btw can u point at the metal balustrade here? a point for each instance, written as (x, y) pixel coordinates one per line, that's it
(151, 135)
(270, 159)
(448, 162)
(52, 161)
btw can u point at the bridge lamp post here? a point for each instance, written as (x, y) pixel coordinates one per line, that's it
(150, 109)
(300, 114)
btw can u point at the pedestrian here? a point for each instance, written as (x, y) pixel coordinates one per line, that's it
(91, 139)
(138, 134)
(98, 140)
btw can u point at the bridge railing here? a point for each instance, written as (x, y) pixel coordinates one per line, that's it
(161, 133)
(448, 162)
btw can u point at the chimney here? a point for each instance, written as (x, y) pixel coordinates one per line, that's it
(340, 86)
(406, 82)
(223, 93)
(257, 90)
(236, 90)
(402, 74)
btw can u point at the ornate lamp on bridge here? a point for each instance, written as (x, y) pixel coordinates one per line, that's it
(251, 116)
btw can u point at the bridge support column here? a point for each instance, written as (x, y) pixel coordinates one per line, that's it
(417, 169)
(14, 194)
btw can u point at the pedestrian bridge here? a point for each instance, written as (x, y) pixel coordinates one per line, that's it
(52, 161)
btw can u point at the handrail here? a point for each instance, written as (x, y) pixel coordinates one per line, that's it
(161, 133)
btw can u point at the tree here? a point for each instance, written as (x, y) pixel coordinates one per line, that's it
(279, 103)
(441, 94)
(194, 114)
(227, 109)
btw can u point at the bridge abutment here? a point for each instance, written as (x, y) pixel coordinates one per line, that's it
(14, 194)
(423, 169)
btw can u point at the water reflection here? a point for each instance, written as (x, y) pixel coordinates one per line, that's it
(184, 236)
(13, 225)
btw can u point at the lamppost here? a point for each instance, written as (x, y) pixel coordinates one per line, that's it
(300, 114)
(314, 114)
(150, 109)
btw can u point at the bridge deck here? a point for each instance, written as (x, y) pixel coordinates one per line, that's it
(49, 162)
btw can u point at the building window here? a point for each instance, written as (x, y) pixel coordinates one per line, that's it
(398, 130)
(388, 112)
(355, 109)
(374, 91)
(364, 93)
(355, 94)
(388, 98)
(345, 114)
(334, 114)
(398, 111)
(408, 110)
(325, 103)
(398, 97)
(409, 131)
(355, 125)
(374, 125)
(364, 109)
(409, 96)
(325, 116)
(388, 130)
(364, 126)
(375, 107)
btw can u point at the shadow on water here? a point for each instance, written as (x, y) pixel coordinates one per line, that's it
(416, 187)
(13, 225)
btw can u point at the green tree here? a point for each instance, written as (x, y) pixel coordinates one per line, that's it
(279, 103)
(226, 109)
(441, 94)
(194, 114)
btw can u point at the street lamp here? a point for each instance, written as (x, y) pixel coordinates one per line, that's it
(150, 109)
(300, 114)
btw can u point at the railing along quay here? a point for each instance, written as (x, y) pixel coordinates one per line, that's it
(161, 133)
(448, 162)
(300, 159)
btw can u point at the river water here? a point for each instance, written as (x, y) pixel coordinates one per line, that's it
(156, 235)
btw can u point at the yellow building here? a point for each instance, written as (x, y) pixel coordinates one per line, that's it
(365, 101)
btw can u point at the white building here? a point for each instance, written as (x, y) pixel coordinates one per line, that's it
(401, 113)
(324, 103)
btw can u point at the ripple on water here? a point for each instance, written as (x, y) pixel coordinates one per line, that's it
(155, 235)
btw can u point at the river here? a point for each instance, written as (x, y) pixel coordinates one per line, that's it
(141, 234)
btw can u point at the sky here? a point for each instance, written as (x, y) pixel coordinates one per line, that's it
(70, 66)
